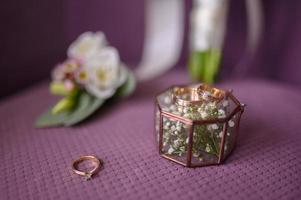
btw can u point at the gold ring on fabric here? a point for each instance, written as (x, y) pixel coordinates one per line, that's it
(88, 174)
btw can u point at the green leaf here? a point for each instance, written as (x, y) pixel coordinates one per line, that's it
(64, 105)
(86, 106)
(48, 119)
(128, 87)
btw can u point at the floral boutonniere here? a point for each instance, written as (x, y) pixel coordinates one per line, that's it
(92, 74)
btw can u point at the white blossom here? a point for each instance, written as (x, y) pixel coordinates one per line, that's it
(86, 45)
(105, 73)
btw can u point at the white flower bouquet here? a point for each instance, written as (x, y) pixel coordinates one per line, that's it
(92, 74)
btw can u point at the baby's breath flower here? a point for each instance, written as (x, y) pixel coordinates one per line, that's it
(173, 107)
(186, 115)
(231, 123)
(196, 154)
(177, 143)
(221, 113)
(211, 127)
(220, 134)
(185, 110)
(176, 113)
(182, 148)
(178, 127)
(206, 95)
(170, 150)
(225, 103)
(214, 126)
(180, 109)
(204, 114)
(207, 149)
(167, 100)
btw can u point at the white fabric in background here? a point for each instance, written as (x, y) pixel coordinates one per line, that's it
(163, 39)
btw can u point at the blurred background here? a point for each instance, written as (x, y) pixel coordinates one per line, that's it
(36, 33)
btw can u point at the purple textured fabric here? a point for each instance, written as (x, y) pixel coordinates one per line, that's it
(35, 163)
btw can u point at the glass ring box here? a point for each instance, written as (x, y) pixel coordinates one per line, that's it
(197, 125)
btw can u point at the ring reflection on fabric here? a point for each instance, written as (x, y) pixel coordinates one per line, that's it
(87, 174)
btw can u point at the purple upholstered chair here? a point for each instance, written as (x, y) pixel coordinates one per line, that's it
(35, 163)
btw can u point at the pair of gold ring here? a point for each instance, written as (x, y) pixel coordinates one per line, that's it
(97, 164)
(196, 94)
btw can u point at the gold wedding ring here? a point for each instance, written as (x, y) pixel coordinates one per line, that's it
(186, 95)
(213, 93)
(196, 94)
(87, 174)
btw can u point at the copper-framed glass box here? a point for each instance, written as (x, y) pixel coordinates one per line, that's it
(197, 125)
